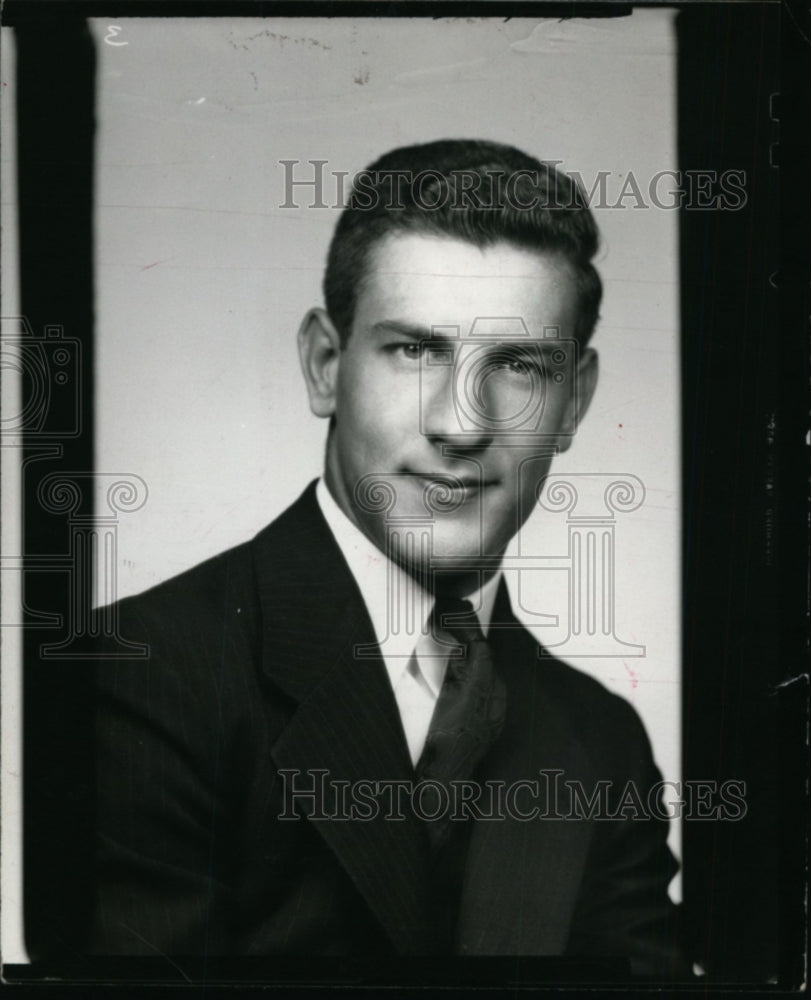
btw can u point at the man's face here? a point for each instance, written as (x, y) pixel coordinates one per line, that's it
(479, 416)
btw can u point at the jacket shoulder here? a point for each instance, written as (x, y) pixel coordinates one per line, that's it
(196, 599)
(582, 709)
(200, 599)
(605, 722)
(577, 687)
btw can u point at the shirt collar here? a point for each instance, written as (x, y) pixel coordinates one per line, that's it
(390, 594)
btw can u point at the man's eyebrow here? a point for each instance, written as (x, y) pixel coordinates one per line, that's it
(404, 329)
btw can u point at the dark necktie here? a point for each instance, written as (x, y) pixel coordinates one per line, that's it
(469, 713)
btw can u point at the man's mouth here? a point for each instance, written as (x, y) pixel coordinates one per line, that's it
(457, 487)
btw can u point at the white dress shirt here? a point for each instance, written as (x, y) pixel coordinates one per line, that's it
(400, 610)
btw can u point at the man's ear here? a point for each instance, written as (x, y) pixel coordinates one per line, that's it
(587, 372)
(319, 348)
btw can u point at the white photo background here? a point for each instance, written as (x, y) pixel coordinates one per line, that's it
(202, 278)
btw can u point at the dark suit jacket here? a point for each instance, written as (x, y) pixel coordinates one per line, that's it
(251, 672)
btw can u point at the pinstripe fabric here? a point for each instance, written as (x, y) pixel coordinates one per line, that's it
(251, 677)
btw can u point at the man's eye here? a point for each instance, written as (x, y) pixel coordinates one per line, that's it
(411, 351)
(517, 364)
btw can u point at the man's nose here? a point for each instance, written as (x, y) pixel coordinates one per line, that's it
(446, 418)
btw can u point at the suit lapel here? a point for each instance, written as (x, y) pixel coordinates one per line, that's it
(522, 875)
(346, 721)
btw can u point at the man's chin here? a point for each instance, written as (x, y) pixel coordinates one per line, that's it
(453, 559)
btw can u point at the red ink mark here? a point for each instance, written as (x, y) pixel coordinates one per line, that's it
(146, 267)
(632, 675)
(619, 425)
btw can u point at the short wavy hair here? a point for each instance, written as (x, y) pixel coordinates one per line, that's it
(474, 190)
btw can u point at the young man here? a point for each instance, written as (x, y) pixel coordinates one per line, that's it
(343, 742)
